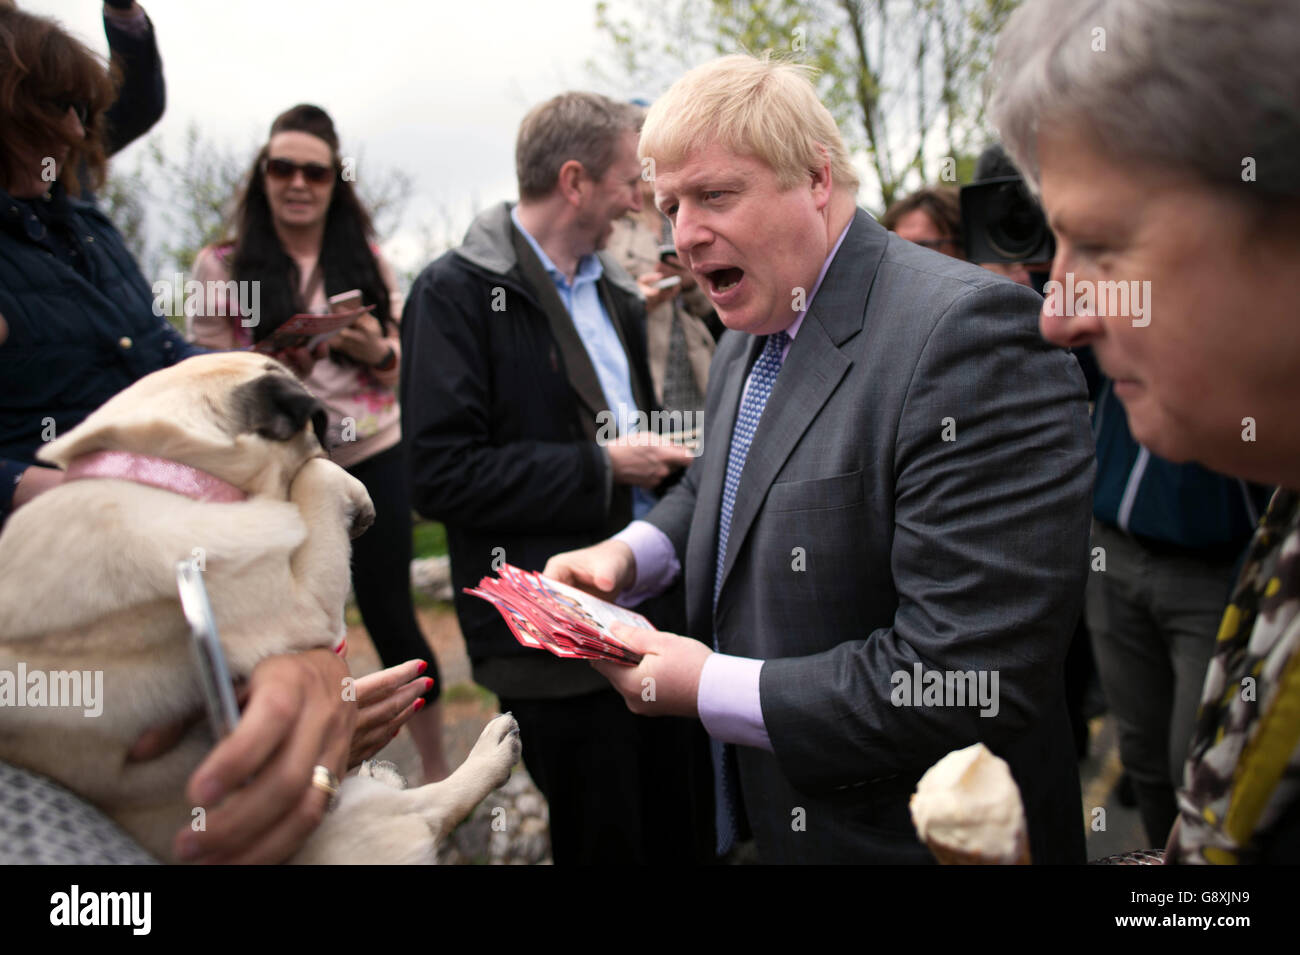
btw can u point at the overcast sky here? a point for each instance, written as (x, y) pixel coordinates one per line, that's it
(433, 87)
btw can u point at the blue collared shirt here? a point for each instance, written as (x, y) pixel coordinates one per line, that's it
(582, 301)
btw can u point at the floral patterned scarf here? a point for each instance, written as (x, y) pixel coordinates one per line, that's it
(1243, 769)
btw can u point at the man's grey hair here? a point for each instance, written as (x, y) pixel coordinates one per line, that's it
(1208, 87)
(582, 126)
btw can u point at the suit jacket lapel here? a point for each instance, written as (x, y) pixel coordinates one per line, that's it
(577, 363)
(812, 369)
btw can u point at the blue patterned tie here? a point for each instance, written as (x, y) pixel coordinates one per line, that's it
(761, 380)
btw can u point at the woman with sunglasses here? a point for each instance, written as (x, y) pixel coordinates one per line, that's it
(302, 235)
(76, 317)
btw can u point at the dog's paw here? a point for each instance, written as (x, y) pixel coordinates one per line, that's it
(321, 486)
(498, 748)
(360, 509)
(383, 771)
(363, 515)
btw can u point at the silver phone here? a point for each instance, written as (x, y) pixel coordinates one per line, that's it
(209, 657)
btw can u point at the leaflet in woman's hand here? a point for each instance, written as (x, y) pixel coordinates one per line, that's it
(305, 330)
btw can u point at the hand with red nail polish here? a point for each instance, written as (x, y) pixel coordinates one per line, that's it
(385, 700)
(256, 783)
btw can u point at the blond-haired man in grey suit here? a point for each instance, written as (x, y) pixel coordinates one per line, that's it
(885, 540)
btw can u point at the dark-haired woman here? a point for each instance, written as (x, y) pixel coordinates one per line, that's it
(302, 235)
(76, 317)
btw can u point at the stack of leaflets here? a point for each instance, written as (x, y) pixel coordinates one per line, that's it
(546, 614)
(307, 331)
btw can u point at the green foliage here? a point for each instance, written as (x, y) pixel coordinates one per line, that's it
(202, 185)
(428, 539)
(904, 79)
(966, 167)
(123, 200)
(423, 601)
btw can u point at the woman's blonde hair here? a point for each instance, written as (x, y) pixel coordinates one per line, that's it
(765, 108)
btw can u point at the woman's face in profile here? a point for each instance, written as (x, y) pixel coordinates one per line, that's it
(43, 164)
(1188, 304)
(917, 226)
(295, 163)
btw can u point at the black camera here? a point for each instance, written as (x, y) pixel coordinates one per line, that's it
(1003, 223)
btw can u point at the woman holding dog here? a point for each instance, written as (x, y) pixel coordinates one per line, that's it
(302, 234)
(1182, 173)
(76, 326)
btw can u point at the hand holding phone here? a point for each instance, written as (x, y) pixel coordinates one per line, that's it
(209, 657)
(348, 301)
(670, 266)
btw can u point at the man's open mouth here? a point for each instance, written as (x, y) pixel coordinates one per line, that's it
(724, 280)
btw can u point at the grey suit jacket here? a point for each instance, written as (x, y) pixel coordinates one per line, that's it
(871, 534)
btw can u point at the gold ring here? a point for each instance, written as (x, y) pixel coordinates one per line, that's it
(326, 782)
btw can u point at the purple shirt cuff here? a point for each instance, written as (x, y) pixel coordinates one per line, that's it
(656, 563)
(729, 703)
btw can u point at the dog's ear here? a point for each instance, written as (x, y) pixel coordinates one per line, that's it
(276, 407)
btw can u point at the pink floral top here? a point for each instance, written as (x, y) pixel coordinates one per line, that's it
(364, 417)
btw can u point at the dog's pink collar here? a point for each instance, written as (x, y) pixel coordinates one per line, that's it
(155, 472)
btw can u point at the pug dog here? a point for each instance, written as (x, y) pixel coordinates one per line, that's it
(217, 460)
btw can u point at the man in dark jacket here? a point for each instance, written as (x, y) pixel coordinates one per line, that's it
(522, 346)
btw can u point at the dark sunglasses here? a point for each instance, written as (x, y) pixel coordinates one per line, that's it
(63, 104)
(284, 169)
